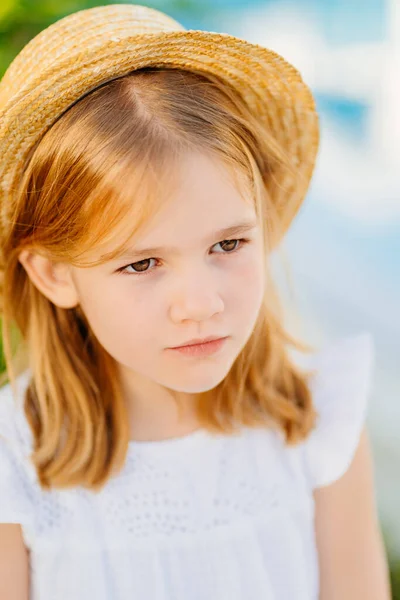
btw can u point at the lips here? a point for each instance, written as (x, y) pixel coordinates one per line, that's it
(200, 350)
(197, 341)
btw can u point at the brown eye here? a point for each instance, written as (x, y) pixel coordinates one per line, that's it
(229, 245)
(138, 265)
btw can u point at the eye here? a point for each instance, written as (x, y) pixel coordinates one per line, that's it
(227, 244)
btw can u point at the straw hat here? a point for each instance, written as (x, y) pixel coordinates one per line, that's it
(79, 52)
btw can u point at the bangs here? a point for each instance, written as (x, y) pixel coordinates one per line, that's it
(126, 198)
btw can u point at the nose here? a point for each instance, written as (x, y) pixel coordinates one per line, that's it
(197, 298)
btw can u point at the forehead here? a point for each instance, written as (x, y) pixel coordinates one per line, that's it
(203, 196)
(204, 192)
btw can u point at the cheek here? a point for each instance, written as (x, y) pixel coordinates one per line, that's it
(120, 317)
(249, 282)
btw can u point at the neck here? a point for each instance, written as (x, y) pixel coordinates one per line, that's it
(153, 410)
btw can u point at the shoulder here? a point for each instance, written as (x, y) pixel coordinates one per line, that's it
(340, 387)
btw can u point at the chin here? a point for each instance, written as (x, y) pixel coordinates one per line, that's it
(199, 383)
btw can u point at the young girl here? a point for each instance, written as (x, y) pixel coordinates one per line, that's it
(147, 172)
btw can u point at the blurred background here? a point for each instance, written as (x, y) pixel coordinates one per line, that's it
(343, 249)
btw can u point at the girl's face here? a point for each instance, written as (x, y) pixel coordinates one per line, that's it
(195, 285)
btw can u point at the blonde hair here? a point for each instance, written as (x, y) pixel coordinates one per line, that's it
(124, 135)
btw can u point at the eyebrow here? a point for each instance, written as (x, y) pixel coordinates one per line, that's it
(236, 229)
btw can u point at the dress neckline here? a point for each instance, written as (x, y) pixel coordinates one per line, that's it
(170, 445)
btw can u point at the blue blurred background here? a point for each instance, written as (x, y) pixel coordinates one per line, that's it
(344, 246)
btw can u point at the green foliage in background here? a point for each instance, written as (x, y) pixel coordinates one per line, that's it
(395, 579)
(2, 362)
(21, 20)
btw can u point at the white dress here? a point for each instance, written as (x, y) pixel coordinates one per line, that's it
(197, 517)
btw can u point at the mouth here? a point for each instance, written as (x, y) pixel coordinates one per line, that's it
(202, 349)
(199, 342)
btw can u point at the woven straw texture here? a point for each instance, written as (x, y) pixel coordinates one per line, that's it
(78, 53)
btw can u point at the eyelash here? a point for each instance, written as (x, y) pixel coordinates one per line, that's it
(243, 242)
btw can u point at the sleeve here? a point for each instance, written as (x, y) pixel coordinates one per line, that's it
(340, 389)
(16, 496)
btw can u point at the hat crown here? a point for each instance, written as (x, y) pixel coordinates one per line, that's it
(112, 23)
